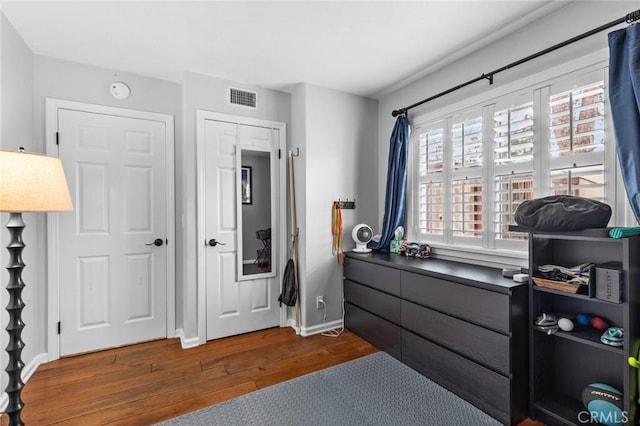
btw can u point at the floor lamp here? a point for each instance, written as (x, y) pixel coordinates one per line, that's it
(28, 183)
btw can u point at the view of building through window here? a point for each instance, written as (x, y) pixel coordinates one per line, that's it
(459, 194)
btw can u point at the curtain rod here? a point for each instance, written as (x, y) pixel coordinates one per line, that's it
(629, 18)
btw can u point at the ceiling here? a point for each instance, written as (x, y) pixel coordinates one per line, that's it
(359, 47)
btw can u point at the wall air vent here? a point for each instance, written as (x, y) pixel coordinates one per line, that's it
(242, 97)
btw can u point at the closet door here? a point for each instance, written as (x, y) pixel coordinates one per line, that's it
(233, 305)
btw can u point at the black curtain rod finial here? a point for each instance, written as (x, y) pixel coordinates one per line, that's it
(398, 112)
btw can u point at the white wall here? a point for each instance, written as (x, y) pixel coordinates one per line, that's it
(60, 79)
(336, 133)
(26, 82)
(16, 130)
(574, 19)
(66, 80)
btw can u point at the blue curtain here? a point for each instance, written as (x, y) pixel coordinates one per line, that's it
(624, 95)
(395, 199)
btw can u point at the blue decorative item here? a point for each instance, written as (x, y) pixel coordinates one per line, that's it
(583, 319)
(614, 336)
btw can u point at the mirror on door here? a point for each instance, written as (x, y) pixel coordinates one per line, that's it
(256, 208)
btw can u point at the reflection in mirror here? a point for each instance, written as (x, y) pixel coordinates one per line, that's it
(255, 178)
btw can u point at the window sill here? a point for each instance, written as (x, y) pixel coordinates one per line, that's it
(481, 256)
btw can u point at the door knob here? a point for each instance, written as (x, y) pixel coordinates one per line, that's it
(213, 242)
(157, 242)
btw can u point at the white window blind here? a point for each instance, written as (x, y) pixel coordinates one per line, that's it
(465, 213)
(466, 143)
(513, 134)
(431, 150)
(577, 141)
(431, 162)
(431, 209)
(577, 121)
(585, 182)
(513, 153)
(548, 138)
(467, 207)
(509, 192)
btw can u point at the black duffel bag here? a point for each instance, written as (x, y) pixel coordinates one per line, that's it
(562, 213)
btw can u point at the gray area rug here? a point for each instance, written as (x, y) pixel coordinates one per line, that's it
(374, 390)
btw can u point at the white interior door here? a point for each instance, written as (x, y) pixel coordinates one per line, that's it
(113, 256)
(232, 306)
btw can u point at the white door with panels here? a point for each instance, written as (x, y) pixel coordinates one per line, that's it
(237, 300)
(113, 248)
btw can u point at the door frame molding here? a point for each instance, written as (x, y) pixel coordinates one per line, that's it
(201, 117)
(53, 236)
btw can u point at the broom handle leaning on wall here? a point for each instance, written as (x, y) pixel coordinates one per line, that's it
(294, 237)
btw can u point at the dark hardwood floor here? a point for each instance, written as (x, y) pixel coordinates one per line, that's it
(146, 383)
(150, 382)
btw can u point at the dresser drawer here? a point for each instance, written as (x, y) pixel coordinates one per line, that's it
(482, 387)
(479, 344)
(376, 276)
(374, 301)
(377, 331)
(472, 304)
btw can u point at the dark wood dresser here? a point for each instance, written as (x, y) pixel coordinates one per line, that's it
(462, 326)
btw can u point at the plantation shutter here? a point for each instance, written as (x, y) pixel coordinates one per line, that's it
(466, 198)
(513, 181)
(509, 192)
(467, 207)
(577, 141)
(431, 160)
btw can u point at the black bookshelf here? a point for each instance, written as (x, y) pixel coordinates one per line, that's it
(564, 363)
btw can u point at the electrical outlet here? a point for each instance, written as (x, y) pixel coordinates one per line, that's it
(320, 302)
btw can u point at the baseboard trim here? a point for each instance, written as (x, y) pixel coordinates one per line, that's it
(292, 323)
(187, 343)
(27, 372)
(321, 328)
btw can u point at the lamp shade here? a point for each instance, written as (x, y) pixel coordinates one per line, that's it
(32, 183)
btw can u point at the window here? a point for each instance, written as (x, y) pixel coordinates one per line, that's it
(577, 121)
(473, 168)
(432, 207)
(509, 192)
(466, 206)
(466, 180)
(431, 196)
(579, 181)
(577, 141)
(513, 134)
(466, 143)
(513, 151)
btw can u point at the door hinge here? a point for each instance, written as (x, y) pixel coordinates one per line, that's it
(59, 327)
(279, 154)
(57, 138)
